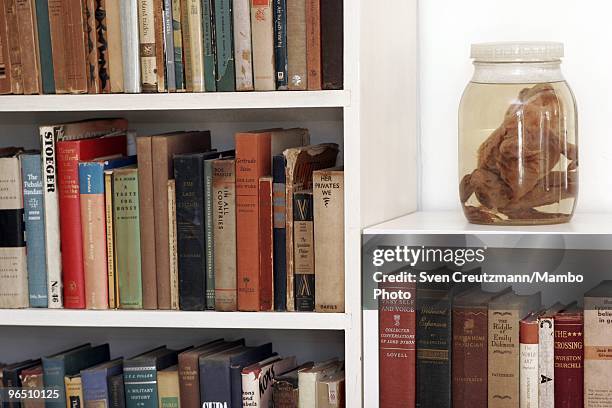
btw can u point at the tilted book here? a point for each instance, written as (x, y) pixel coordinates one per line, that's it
(191, 19)
(296, 45)
(96, 385)
(528, 374)
(546, 356)
(257, 380)
(243, 50)
(598, 346)
(262, 28)
(130, 42)
(569, 358)
(303, 251)
(224, 44)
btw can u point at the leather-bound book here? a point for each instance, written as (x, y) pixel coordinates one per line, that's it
(546, 356)
(332, 44)
(16, 66)
(569, 358)
(28, 46)
(598, 346)
(5, 60)
(313, 44)
(296, 45)
(263, 45)
(116, 391)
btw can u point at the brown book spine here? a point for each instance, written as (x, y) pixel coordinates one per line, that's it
(32, 378)
(296, 45)
(313, 44)
(91, 46)
(504, 358)
(76, 52)
(332, 44)
(5, 64)
(12, 24)
(159, 45)
(266, 255)
(285, 395)
(172, 246)
(28, 42)
(189, 379)
(569, 358)
(252, 162)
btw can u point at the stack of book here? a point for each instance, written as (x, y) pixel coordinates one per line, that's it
(177, 226)
(460, 346)
(132, 46)
(215, 374)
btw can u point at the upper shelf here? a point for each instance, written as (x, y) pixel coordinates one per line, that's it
(175, 101)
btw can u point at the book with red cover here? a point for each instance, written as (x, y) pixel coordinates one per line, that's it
(266, 256)
(397, 347)
(69, 153)
(569, 357)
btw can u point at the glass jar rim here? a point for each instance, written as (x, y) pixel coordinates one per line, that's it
(525, 51)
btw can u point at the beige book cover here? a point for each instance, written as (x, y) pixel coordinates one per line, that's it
(168, 388)
(193, 45)
(113, 287)
(74, 391)
(172, 249)
(243, 50)
(331, 391)
(307, 381)
(115, 47)
(296, 45)
(262, 28)
(148, 59)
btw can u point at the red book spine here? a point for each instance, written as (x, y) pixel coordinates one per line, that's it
(397, 347)
(266, 229)
(252, 162)
(69, 153)
(569, 358)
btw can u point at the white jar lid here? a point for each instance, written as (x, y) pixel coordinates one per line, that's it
(517, 52)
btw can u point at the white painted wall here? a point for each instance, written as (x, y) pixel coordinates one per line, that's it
(446, 30)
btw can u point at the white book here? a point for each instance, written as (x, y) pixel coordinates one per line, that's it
(546, 357)
(51, 212)
(131, 43)
(262, 29)
(243, 51)
(528, 378)
(307, 382)
(257, 380)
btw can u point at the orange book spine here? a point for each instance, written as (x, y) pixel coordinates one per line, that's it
(252, 162)
(266, 255)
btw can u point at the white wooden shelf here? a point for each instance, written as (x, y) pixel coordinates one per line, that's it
(173, 319)
(175, 101)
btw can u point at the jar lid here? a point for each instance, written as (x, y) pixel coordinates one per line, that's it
(517, 52)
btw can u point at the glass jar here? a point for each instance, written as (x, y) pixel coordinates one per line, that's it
(518, 151)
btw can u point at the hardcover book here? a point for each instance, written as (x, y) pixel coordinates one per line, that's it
(148, 45)
(96, 384)
(177, 33)
(28, 46)
(168, 383)
(257, 380)
(210, 47)
(173, 246)
(303, 252)
(5, 59)
(32, 379)
(92, 55)
(569, 358)
(280, 259)
(111, 267)
(224, 44)
(313, 44)
(243, 49)
(262, 27)
(280, 43)
(308, 379)
(546, 356)
(331, 391)
(158, 11)
(332, 44)
(12, 377)
(296, 45)
(528, 374)
(266, 255)
(15, 65)
(285, 387)
(44, 46)
(115, 48)
(193, 45)
(74, 391)
(597, 346)
(168, 37)
(116, 391)
(130, 42)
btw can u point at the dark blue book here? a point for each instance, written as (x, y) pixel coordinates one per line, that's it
(254, 355)
(280, 44)
(96, 385)
(33, 207)
(44, 46)
(116, 391)
(10, 378)
(280, 238)
(210, 61)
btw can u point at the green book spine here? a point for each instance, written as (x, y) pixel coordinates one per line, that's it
(208, 230)
(127, 237)
(140, 382)
(226, 75)
(178, 45)
(210, 69)
(44, 46)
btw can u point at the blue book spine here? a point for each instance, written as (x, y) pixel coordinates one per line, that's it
(96, 390)
(215, 382)
(54, 371)
(44, 46)
(91, 178)
(280, 43)
(140, 386)
(35, 229)
(280, 266)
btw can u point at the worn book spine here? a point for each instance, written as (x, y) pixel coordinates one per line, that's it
(528, 374)
(296, 45)
(31, 172)
(332, 44)
(76, 48)
(147, 45)
(546, 362)
(116, 391)
(13, 262)
(597, 348)
(101, 30)
(280, 44)
(113, 287)
(266, 250)
(224, 227)
(569, 357)
(44, 46)
(303, 244)
(91, 45)
(243, 50)
(172, 246)
(177, 33)
(57, 21)
(32, 378)
(262, 27)
(130, 41)
(28, 43)
(313, 44)
(158, 11)
(96, 384)
(48, 135)
(257, 381)
(169, 47)
(285, 394)
(503, 358)
(12, 23)
(331, 393)
(74, 391)
(252, 162)
(114, 52)
(188, 173)
(193, 45)
(280, 267)
(209, 234)
(168, 388)
(224, 45)
(328, 197)
(210, 48)
(127, 237)
(5, 61)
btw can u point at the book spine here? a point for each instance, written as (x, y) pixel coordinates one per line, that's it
(5, 60)
(528, 375)
(158, 11)
(266, 255)
(332, 44)
(546, 362)
(116, 391)
(210, 47)
(95, 388)
(243, 51)
(172, 246)
(303, 244)
(503, 358)
(147, 45)
(250, 389)
(224, 226)
(280, 267)
(102, 34)
(28, 42)
(328, 196)
(569, 357)
(189, 380)
(93, 214)
(57, 17)
(192, 45)
(280, 44)
(597, 362)
(262, 27)
(209, 235)
(224, 43)
(16, 66)
(53, 254)
(91, 46)
(397, 347)
(168, 384)
(313, 44)
(53, 378)
(296, 45)
(113, 287)
(74, 392)
(216, 374)
(35, 228)
(140, 384)
(76, 47)
(130, 40)
(44, 46)
(114, 32)
(13, 262)
(32, 379)
(169, 46)
(285, 395)
(177, 33)
(252, 162)
(188, 173)
(127, 238)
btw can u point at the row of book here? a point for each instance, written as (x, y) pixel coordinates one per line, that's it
(216, 374)
(177, 226)
(131, 46)
(463, 347)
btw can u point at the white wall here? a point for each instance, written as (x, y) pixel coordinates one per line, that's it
(448, 27)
